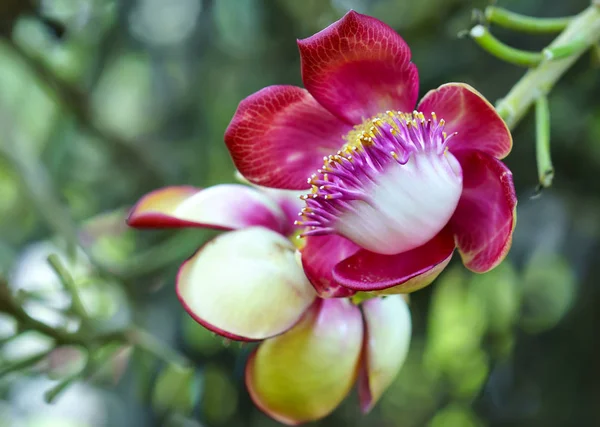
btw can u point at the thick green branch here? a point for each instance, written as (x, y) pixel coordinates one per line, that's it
(583, 30)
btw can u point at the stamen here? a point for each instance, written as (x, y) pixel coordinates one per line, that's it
(370, 147)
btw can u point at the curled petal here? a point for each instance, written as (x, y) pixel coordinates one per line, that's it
(290, 204)
(467, 112)
(359, 67)
(289, 201)
(226, 206)
(486, 216)
(319, 255)
(305, 373)
(400, 273)
(387, 338)
(279, 135)
(245, 285)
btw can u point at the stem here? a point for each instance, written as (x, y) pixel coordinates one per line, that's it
(563, 51)
(70, 286)
(491, 44)
(540, 80)
(542, 142)
(92, 365)
(23, 363)
(147, 342)
(181, 245)
(132, 335)
(514, 21)
(51, 394)
(37, 183)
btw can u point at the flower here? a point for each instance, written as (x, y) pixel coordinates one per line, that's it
(394, 188)
(247, 284)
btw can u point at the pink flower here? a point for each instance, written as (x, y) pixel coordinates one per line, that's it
(247, 284)
(394, 191)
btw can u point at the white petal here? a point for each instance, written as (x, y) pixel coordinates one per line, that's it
(409, 204)
(245, 284)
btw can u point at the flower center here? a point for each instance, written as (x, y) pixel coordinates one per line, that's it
(391, 188)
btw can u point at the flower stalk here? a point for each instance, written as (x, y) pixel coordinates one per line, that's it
(527, 24)
(491, 44)
(542, 142)
(538, 81)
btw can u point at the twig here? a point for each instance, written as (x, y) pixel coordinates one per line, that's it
(584, 29)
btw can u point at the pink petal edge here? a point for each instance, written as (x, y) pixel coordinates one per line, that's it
(279, 135)
(467, 112)
(485, 217)
(319, 256)
(404, 272)
(359, 67)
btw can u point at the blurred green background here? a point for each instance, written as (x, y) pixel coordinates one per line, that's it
(102, 101)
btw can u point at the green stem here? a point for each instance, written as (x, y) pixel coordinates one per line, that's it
(542, 144)
(51, 394)
(177, 247)
(491, 44)
(37, 184)
(514, 21)
(69, 284)
(92, 366)
(19, 365)
(147, 342)
(132, 335)
(563, 51)
(538, 81)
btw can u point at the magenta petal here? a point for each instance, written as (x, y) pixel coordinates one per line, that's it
(359, 67)
(279, 135)
(485, 217)
(225, 206)
(467, 112)
(319, 256)
(400, 273)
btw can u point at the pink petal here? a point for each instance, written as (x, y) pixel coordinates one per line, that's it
(467, 112)
(304, 374)
(226, 206)
(400, 273)
(290, 204)
(359, 67)
(486, 214)
(289, 201)
(319, 255)
(387, 339)
(279, 135)
(245, 284)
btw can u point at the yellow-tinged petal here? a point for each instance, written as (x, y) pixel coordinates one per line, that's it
(388, 332)
(245, 284)
(305, 373)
